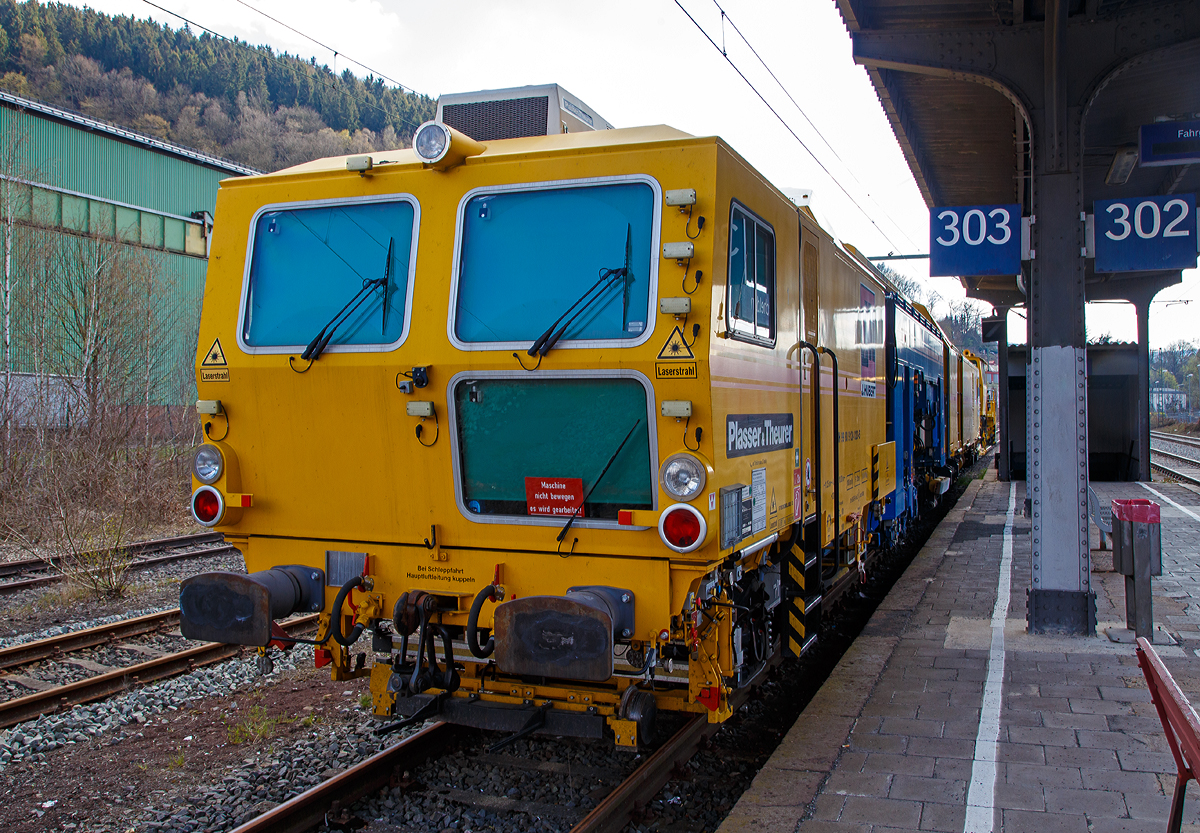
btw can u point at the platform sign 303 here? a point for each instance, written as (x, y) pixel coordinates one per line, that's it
(975, 240)
(1142, 233)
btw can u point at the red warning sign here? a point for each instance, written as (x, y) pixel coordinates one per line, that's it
(554, 495)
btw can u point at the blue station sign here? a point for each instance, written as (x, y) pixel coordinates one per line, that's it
(1169, 143)
(1145, 233)
(975, 240)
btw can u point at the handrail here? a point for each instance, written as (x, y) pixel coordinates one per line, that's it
(1180, 724)
(804, 345)
(837, 457)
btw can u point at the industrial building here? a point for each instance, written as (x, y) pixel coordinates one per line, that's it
(79, 196)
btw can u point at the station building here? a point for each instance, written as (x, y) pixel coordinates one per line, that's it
(99, 226)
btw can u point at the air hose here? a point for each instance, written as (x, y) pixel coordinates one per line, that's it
(488, 592)
(335, 620)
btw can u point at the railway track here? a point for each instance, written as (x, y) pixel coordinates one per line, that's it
(38, 565)
(1182, 439)
(1179, 467)
(115, 680)
(307, 810)
(1183, 477)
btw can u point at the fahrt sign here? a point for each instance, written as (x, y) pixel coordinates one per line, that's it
(1169, 143)
(975, 240)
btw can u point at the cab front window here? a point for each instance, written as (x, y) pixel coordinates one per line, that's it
(575, 257)
(313, 264)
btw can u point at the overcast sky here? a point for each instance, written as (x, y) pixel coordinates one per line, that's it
(642, 62)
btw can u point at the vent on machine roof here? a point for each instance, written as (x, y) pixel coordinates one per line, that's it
(509, 118)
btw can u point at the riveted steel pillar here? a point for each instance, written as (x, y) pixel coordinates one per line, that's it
(1142, 305)
(1060, 598)
(1004, 463)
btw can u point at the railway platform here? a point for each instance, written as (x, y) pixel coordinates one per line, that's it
(936, 720)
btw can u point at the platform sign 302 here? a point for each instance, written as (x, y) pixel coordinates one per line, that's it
(1142, 233)
(975, 240)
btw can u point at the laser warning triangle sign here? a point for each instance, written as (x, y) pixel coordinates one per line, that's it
(676, 348)
(215, 356)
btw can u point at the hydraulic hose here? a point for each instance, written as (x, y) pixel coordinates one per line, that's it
(335, 619)
(488, 592)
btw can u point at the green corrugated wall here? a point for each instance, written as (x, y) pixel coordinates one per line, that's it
(107, 170)
(92, 162)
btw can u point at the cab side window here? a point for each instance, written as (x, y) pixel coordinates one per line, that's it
(750, 302)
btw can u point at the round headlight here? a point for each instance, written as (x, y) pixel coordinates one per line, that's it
(682, 476)
(208, 464)
(431, 141)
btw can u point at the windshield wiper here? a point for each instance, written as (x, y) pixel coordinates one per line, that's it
(317, 346)
(321, 340)
(387, 285)
(608, 277)
(599, 477)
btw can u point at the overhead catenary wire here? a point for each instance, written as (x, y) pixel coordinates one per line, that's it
(725, 16)
(404, 121)
(786, 126)
(336, 52)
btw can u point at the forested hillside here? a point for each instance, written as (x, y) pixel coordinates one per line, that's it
(248, 104)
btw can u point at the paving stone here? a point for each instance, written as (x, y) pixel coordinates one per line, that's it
(899, 764)
(1143, 806)
(946, 818)
(1145, 761)
(1024, 821)
(1127, 782)
(1093, 802)
(884, 811)
(894, 744)
(1107, 825)
(859, 783)
(937, 790)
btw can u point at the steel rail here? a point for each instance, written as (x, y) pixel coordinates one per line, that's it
(95, 688)
(307, 810)
(137, 564)
(11, 568)
(55, 646)
(636, 791)
(1178, 475)
(1182, 439)
(1178, 458)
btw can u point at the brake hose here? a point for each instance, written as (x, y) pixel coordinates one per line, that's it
(335, 621)
(488, 592)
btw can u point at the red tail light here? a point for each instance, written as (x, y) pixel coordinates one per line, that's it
(207, 505)
(682, 528)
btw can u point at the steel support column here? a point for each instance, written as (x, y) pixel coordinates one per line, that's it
(1143, 326)
(1003, 452)
(1060, 598)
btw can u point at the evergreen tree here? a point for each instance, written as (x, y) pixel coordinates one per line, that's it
(206, 91)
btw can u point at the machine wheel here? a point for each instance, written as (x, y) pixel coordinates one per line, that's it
(640, 707)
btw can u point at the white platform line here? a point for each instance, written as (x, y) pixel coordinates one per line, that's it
(981, 795)
(1173, 503)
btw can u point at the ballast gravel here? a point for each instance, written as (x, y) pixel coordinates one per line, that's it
(35, 738)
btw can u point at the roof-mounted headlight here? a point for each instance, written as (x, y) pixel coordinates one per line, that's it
(442, 146)
(682, 476)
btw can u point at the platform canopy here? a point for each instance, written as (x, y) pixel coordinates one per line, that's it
(962, 81)
(1037, 102)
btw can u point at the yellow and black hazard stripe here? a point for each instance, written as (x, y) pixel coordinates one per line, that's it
(874, 472)
(802, 579)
